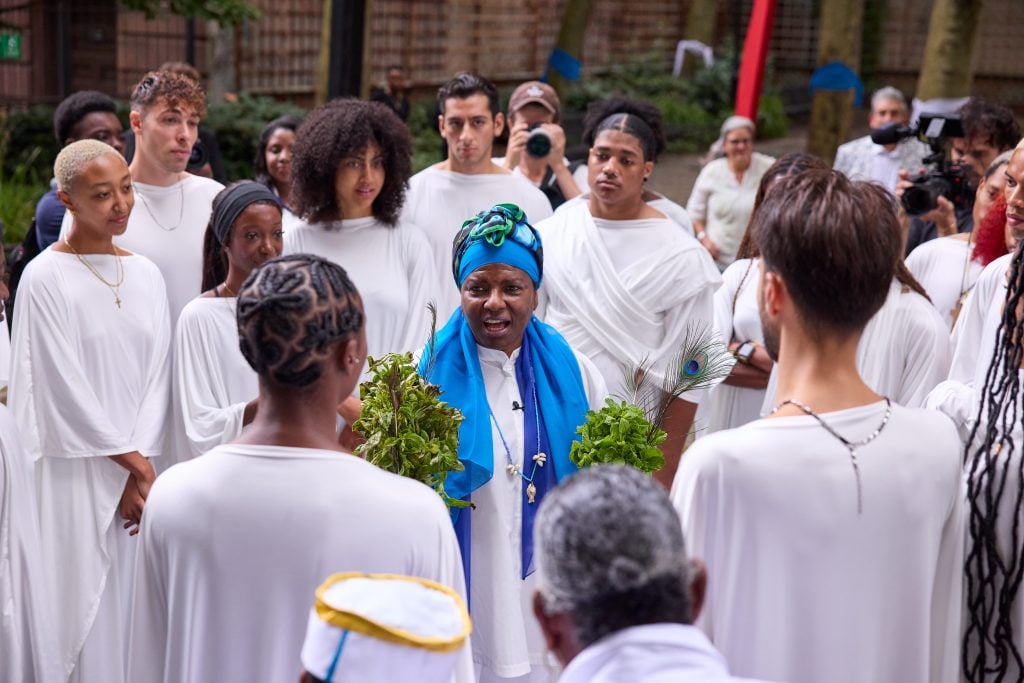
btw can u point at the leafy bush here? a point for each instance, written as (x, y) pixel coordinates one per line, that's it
(692, 108)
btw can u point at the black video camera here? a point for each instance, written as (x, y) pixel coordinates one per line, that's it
(952, 181)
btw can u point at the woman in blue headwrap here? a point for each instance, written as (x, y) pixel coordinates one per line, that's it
(523, 391)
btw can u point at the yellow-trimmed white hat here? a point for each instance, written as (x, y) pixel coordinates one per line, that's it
(384, 627)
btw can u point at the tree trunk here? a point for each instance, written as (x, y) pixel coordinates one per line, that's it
(570, 39)
(700, 25)
(948, 65)
(838, 40)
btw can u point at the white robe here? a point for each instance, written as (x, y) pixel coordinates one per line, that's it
(212, 380)
(736, 317)
(177, 252)
(507, 640)
(439, 202)
(234, 544)
(903, 353)
(623, 291)
(945, 269)
(974, 339)
(28, 649)
(654, 653)
(90, 380)
(392, 269)
(675, 212)
(803, 588)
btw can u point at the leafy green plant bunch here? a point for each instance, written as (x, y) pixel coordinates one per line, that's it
(620, 434)
(409, 431)
(628, 432)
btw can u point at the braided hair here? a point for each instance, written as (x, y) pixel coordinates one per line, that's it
(994, 564)
(293, 311)
(638, 118)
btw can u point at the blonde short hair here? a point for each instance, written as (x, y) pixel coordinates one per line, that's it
(75, 157)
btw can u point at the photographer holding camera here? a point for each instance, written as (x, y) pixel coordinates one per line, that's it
(988, 129)
(536, 143)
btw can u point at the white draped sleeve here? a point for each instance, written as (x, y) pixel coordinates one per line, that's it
(52, 393)
(212, 381)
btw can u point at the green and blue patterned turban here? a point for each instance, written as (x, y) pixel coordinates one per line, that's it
(498, 235)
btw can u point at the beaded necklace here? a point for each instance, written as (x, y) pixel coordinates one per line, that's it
(539, 457)
(852, 446)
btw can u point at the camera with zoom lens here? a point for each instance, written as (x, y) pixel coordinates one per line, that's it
(538, 144)
(952, 181)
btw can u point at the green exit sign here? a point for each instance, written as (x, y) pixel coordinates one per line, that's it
(10, 46)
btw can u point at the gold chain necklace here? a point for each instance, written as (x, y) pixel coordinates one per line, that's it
(114, 287)
(181, 210)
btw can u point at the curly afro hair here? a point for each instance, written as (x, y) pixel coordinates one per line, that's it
(338, 130)
(74, 108)
(640, 119)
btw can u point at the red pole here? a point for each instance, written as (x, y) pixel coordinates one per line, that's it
(755, 57)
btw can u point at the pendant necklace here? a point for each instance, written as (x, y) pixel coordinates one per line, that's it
(539, 457)
(852, 446)
(115, 287)
(181, 210)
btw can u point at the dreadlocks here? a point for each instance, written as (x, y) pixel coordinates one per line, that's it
(292, 312)
(994, 564)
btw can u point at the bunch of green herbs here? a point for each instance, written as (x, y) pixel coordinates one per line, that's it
(408, 429)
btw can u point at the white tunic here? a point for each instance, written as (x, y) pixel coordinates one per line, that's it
(234, 544)
(212, 380)
(944, 268)
(804, 589)
(392, 269)
(654, 653)
(736, 318)
(507, 640)
(439, 202)
(90, 380)
(28, 649)
(903, 353)
(974, 339)
(623, 291)
(724, 204)
(177, 251)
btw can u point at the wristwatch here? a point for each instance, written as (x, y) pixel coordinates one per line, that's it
(744, 351)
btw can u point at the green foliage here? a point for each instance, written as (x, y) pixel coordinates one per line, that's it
(408, 429)
(692, 108)
(426, 141)
(20, 187)
(620, 434)
(224, 12)
(238, 125)
(28, 140)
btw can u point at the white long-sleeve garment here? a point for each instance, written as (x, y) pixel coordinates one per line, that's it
(439, 202)
(654, 653)
(90, 379)
(736, 318)
(804, 589)
(904, 352)
(623, 291)
(507, 640)
(974, 339)
(391, 267)
(234, 544)
(28, 648)
(212, 380)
